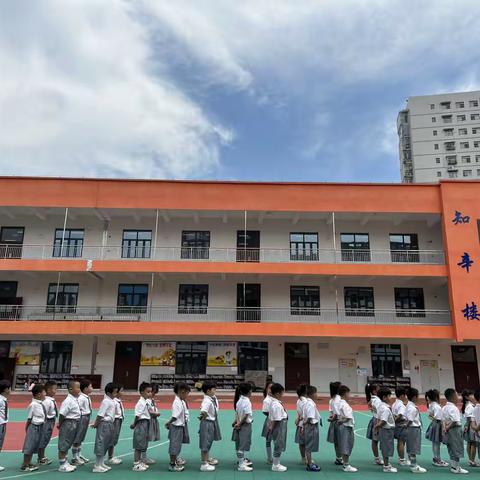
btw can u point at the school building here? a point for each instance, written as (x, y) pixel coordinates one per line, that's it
(137, 280)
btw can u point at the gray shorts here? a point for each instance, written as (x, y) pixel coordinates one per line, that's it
(47, 432)
(32, 440)
(140, 435)
(103, 438)
(414, 440)
(279, 437)
(371, 432)
(400, 432)
(454, 441)
(67, 434)
(386, 439)
(266, 433)
(332, 432)
(208, 433)
(82, 430)
(299, 436)
(243, 438)
(117, 427)
(311, 434)
(346, 439)
(177, 435)
(3, 431)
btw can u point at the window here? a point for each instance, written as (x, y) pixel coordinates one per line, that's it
(467, 173)
(475, 131)
(439, 174)
(386, 360)
(248, 302)
(445, 105)
(432, 106)
(452, 174)
(252, 356)
(72, 243)
(359, 301)
(304, 246)
(132, 298)
(449, 146)
(464, 145)
(355, 247)
(459, 104)
(192, 298)
(477, 158)
(409, 302)
(475, 116)
(434, 133)
(195, 244)
(451, 159)
(136, 243)
(404, 247)
(56, 357)
(434, 119)
(447, 118)
(466, 158)
(248, 246)
(11, 241)
(437, 160)
(473, 103)
(8, 293)
(461, 118)
(191, 358)
(304, 300)
(478, 172)
(462, 131)
(435, 146)
(448, 132)
(63, 299)
(476, 144)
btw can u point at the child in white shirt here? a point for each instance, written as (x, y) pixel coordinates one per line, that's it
(278, 418)
(469, 434)
(414, 430)
(299, 432)
(266, 431)
(242, 426)
(140, 426)
(209, 427)
(346, 422)
(385, 428)
(311, 424)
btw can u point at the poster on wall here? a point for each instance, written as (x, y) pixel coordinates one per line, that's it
(222, 354)
(158, 354)
(26, 353)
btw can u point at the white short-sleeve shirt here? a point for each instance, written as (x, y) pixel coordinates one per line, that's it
(476, 413)
(346, 411)
(266, 403)
(179, 412)
(384, 413)
(435, 410)
(119, 410)
(300, 404)
(210, 407)
(70, 408)
(469, 407)
(375, 402)
(451, 413)
(310, 412)
(413, 415)
(142, 411)
(244, 409)
(3, 410)
(107, 409)
(277, 411)
(85, 404)
(50, 407)
(336, 403)
(36, 412)
(398, 408)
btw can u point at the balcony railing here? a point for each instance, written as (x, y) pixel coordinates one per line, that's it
(219, 314)
(213, 254)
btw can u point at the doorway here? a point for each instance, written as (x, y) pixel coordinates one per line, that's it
(248, 245)
(347, 373)
(127, 364)
(297, 365)
(429, 375)
(248, 302)
(465, 367)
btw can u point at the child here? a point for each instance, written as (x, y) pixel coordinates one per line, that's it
(346, 422)
(400, 434)
(242, 426)
(469, 433)
(4, 393)
(414, 431)
(299, 437)
(177, 427)
(68, 421)
(311, 422)
(86, 411)
(104, 424)
(278, 419)
(434, 430)
(452, 431)
(154, 429)
(371, 391)
(51, 417)
(385, 428)
(266, 431)
(209, 428)
(476, 416)
(117, 427)
(140, 426)
(333, 428)
(34, 428)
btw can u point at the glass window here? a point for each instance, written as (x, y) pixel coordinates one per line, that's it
(249, 298)
(464, 145)
(467, 173)
(359, 301)
(72, 243)
(304, 300)
(132, 298)
(136, 243)
(386, 360)
(404, 247)
(461, 118)
(12, 235)
(409, 302)
(252, 356)
(62, 299)
(248, 246)
(355, 247)
(304, 246)
(195, 244)
(56, 357)
(191, 358)
(473, 103)
(459, 104)
(475, 116)
(462, 131)
(193, 298)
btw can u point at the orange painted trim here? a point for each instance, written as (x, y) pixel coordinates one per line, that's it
(222, 329)
(57, 265)
(225, 196)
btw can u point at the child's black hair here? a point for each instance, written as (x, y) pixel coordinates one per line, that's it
(412, 393)
(208, 385)
(37, 388)
(155, 388)
(477, 395)
(84, 383)
(71, 383)
(465, 394)
(242, 389)
(111, 387)
(342, 390)
(49, 384)
(265, 390)
(4, 385)
(180, 386)
(370, 388)
(143, 386)
(383, 393)
(277, 388)
(302, 390)
(399, 391)
(311, 390)
(449, 393)
(334, 386)
(432, 396)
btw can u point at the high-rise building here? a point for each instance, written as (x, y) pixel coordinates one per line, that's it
(439, 137)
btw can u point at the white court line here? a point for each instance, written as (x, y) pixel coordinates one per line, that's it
(39, 472)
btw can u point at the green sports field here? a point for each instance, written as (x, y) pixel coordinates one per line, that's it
(224, 451)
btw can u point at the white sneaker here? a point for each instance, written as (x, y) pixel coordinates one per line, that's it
(77, 461)
(148, 461)
(99, 469)
(139, 467)
(418, 469)
(440, 463)
(181, 461)
(279, 468)
(115, 461)
(206, 467)
(66, 467)
(84, 459)
(106, 467)
(243, 467)
(2, 469)
(349, 469)
(378, 461)
(389, 469)
(213, 461)
(459, 470)
(404, 462)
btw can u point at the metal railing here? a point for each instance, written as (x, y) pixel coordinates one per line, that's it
(213, 254)
(220, 314)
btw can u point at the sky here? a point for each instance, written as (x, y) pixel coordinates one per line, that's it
(265, 90)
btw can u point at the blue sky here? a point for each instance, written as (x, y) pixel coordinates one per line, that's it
(273, 90)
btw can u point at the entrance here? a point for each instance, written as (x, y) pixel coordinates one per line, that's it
(297, 365)
(465, 367)
(347, 373)
(127, 364)
(429, 375)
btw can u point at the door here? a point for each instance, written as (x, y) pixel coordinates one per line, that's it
(127, 364)
(347, 373)
(248, 246)
(297, 365)
(465, 367)
(7, 365)
(11, 242)
(429, 375)
(248, 302)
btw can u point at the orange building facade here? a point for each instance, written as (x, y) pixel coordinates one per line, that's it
(166, 280)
